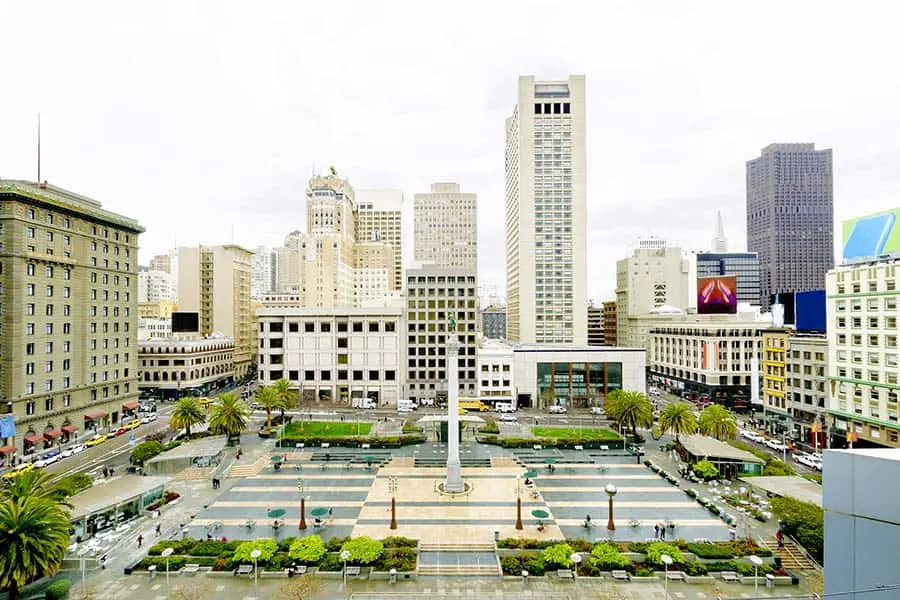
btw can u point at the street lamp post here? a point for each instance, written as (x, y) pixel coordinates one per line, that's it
(519, 503)
(392, 484)
(757, 561)
(300, 490)
(576, 558)
(167, 553)
(667, 560)
(345, 556)
(255, 556)
(610, 490)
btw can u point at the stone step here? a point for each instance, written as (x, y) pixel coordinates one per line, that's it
(447, 547)
(792, 556)
(464, 462)
(194, 474)
(474, 570)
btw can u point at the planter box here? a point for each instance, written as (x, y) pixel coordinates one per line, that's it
(784, 580)
(386, 575)
(699, 578)
(750, 580)
(640, 579)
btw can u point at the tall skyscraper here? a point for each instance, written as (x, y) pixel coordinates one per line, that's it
(68, 316)
(720, 242)
(262, 272)
(790, 217)
(445, 224)
(546, 213)
(214, 281)
(379, 218)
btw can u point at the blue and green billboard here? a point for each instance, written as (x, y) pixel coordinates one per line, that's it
(871, 235)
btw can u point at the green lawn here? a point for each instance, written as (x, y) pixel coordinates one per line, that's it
(325, 429)
(574, 433)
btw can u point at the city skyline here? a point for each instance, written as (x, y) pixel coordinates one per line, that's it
(163, 158)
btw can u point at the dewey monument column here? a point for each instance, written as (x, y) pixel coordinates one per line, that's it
(454, 482)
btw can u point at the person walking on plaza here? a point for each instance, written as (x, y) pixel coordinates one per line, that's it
(158, 529)
(656, 531)
(140, 540)
(779, 537)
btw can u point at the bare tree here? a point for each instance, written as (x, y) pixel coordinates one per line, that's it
(194, 590)
(300, 588)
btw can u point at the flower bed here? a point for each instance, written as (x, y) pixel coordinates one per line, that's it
(390, 441)
(167, 498)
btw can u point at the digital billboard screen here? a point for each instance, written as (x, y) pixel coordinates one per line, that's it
(185, 322)
(871, 235)
(809, 310)
(785, 299)
(717, 295)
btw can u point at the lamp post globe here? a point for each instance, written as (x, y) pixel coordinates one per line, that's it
(757, 562)
(610, 490)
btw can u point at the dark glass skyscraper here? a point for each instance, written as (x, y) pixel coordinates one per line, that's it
(790, 217)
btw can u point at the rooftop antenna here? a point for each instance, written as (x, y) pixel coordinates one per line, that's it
(39, 148)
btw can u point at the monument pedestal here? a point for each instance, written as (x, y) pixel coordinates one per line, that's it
(454, 482)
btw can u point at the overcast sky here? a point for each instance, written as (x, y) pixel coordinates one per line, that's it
(199, 118)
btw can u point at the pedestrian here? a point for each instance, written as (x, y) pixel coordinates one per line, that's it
(656, 531)
(662, 533)
(140, 540)
(158, 529)
(779, 537)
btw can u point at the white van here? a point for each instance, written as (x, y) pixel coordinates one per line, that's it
(364, 403)
(505, 407)
(405, 406)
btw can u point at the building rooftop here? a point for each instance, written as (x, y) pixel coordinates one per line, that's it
(208, 446)
(180, 343)
(882, 453)
(117, 490)
(792, 486)
(707, 447)
(64, 199)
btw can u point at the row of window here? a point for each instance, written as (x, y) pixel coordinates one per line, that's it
(325, 327)
(49, 404)
(341, 375)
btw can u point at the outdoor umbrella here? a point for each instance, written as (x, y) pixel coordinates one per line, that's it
(540, 514)
(319, 512)
(276, 458)
(276, 512)
(531, 473)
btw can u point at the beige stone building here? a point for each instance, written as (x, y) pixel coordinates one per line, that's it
(445, 224)
(68, 316)
(174, 367)
(379, 217)
(157, 310)
(374, 272)
(214, 281)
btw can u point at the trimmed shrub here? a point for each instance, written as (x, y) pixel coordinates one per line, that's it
(804, 520)
(535, 566)
(308, 550)
(179, 546)
(396, 541)
(558, 555)
(694, 568)
(705, 470)
(725, 565)
(511, 565)
(747, 570)
(144, 452)
(690, 492)
(76, 482)
(284, 545)
(606, 557)
(175, 563)
(207, 548)
(57, 590)
(656, 549)
(490, 426)
(267, 546)
(644, 572)
(363, 550)
(334, 544)
(331, 562)
(709, 550)
(402, 559)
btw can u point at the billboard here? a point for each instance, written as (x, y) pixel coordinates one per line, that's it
(871, 235)
(185, 322)
(786, 300)
(717, 295)
(809, 310)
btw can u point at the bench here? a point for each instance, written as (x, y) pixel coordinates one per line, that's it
(190, 569)
(538, 447)
(565, 574)
(152, 570)
(300, 445)
(365, 446)
(676, 576)
(604, 448)
(579, 447)
(298, 570)
(352, 571)
(326, 445)
(621, 575)
(730, 576)
(244, 570)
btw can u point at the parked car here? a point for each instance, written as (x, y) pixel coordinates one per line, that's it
(505, 407)
(132, 424)
(18, 470)
(148, 418)
(810, 460)
(256, 406)
(73, 450)
(774, 444)
(557, 409)
(96, 440)
(48, 459)
(507, 418)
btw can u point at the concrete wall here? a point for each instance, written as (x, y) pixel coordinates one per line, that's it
(862, 522)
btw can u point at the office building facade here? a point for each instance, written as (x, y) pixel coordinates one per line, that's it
(743, 265)
(610, 324)
(155, 286)
(493, 322)
(445, 223)
(379, 218)
(68, 315)
(790, 217)
(596, 332)
(546, 213)
(262, 272)
(214, 281)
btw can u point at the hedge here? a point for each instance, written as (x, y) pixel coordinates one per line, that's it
(389, 441)
(805, 521)
(57, 590)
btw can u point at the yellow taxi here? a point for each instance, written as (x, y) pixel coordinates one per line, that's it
(96, 440)
(132, 424)
(16, 471)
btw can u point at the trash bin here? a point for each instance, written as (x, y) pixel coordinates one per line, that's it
(524, 576)
(496, 535)
(393, 575)
(770, 581)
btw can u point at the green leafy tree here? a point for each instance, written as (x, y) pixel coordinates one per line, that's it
(363, 550)
(76, 482)
(34, 534)
(705, 470)
(718, 422)
(186, 414)
(267, 547)
(630, 410)
(144, 452)
(34, 484)
(284, 395)
(804, 520)
(229, 416)
(607, 557)
(558, 554)
(678, 418)
(308, 549)
(266, 397)
(657, 549)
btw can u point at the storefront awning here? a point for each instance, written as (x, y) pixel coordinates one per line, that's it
(53, 433)
(33, 439)
(131, 405)
(94, 416)
(7, 449)
(70, 428)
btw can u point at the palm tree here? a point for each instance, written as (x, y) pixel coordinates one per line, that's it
(187, 412)
(718, 422)
(34, 535)
(229, 416)
(284, 394)
(34, 484)
(267, 398)
(630, 410)
(678, 418)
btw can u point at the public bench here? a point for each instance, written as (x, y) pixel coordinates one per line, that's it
(244, 570)
(730, 576)
(190, 569)
(352, 571)
(621, 575)
(565, 574)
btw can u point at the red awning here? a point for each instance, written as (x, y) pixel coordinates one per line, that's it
(7, 449)
(70, 428)
(52, 434)
(94, 416)
(131, 405)
(33, 439)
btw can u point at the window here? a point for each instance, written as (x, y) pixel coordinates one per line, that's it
(390, 326)
(357, 327)
(29, 232)
(29, 289)
(326, 375)
(357, 375)
(325, 327)
(309, 375)
(373, 327)
(373, 376)
(29, 269)
(49, 291)
(309, 327)
(29, 328)
(390, 375)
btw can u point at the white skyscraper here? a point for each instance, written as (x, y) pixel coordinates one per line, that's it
(262, 273)
(720, 242)
(445, 224)
(546, 213)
